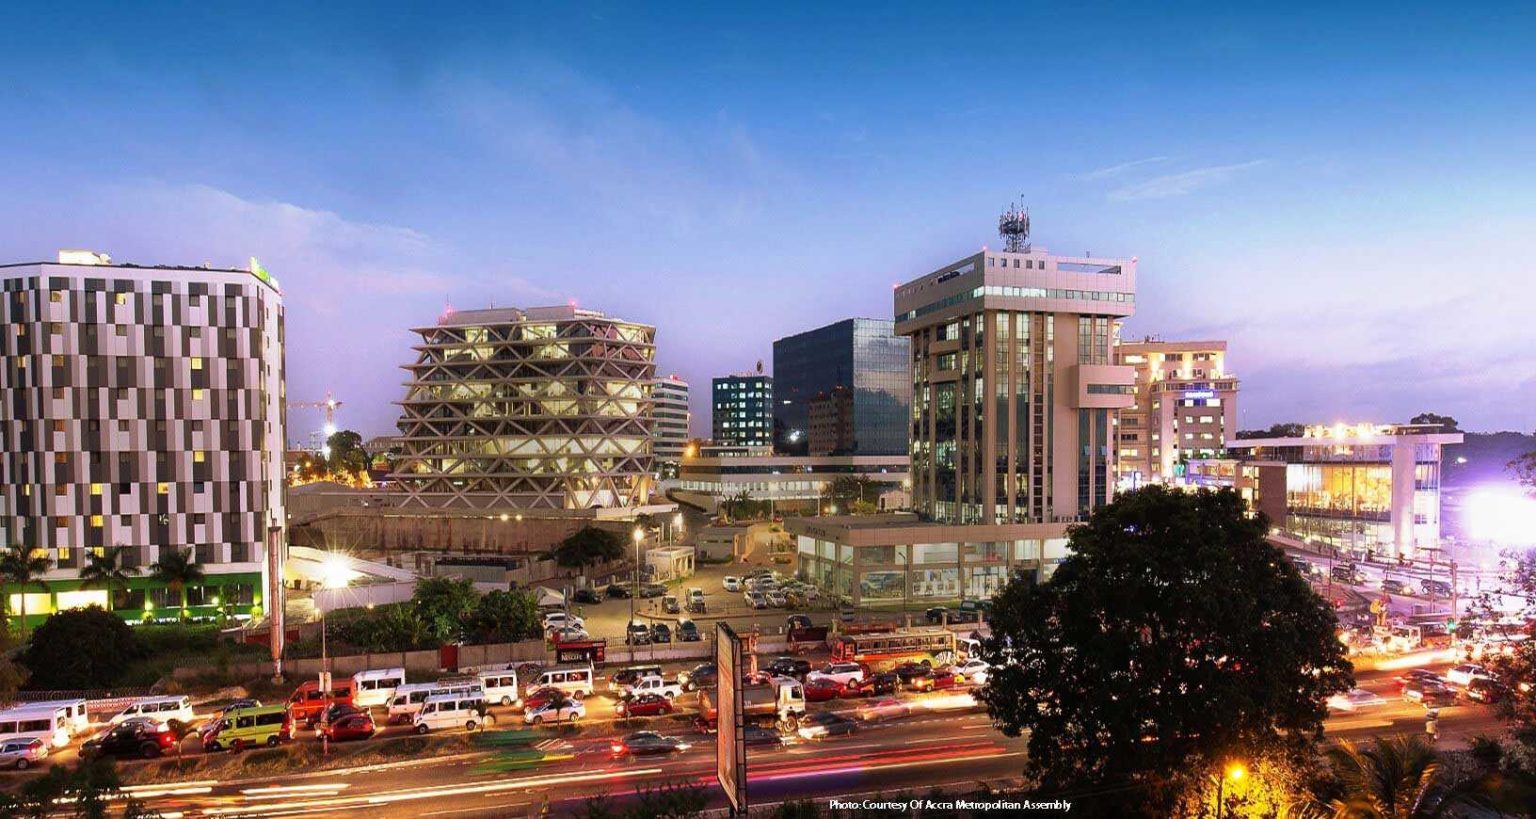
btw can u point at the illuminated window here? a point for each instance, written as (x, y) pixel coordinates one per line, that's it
(197, 362)
(199, 456)
(120, 298)
(197, 394)
(56, 296)
(96, 489)
(163, 488)
(97, 521)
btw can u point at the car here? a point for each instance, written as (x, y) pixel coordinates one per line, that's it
(909, 671)
(22, 753)
(754, 737)
(790, 667)
(1416, 675)
(755, 599)
(885, 708)
(541, 697)
(660, 633)
(973, 671)
(339, 710)
(638, 634)
(1435, 588)
(825, 724)
(1393, 586)
(872, 686)
(1354, 699)
(688, 632)
(797, 621)
(840, 673)
(695, 605)
(703, 675)
(644, 705)
(569, 634)
(731, 583)
(1418, 690)
(139, 739)
(1485, 690)
(241, 702)
(653, 684)
(1437, 696)
(652, 590)
(776, 599)
(357, 725)
(695, 593)
(822, 690)
(560, 619)
(670, 604)
(1464, 674)
(591, 596)
(647, 742)
(562, 710)
(619, 591)
(938, 679)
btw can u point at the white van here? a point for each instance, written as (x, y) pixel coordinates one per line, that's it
(408, 699)
(78, 721)
(500, 686)
(376, 686)
(451, 711)
(48, 723)
(160, 709)
(574, 680)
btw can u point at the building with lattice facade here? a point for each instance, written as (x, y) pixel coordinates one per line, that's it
(538, 408)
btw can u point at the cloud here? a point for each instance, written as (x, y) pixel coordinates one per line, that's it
(1180, 184)
(1116, 170)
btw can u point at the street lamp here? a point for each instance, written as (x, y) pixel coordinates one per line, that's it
(1235, 772)
(637, 535)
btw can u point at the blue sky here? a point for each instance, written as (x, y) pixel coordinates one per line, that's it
(1346, 194)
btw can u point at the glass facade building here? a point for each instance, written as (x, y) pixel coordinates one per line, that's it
(742, 413)
(860, 355)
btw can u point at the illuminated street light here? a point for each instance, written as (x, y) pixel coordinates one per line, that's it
(1235, 772)
(334, 572)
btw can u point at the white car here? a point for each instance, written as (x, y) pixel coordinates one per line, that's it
(569, 634)
(755, 600)
(555, 711)
(1354, 700)
(973, 671)
(776, 599)
(653, 685)
(840, 673)
(1463, 675)
(731, 583)
(559, 619)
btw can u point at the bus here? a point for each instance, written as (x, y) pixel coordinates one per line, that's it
(885, 649)
(78, 723)
(48, 723)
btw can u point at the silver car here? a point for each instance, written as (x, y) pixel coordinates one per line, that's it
(22, 754)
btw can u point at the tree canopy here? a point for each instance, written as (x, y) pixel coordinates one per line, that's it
(1446, 422)
(851, 494)
(443, 604)
(80, 648)
(1174, 636)
(588, 546)
(1290, 429)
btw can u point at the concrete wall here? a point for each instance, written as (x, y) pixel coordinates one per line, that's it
(387, 530)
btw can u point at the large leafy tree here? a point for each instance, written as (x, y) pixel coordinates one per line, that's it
(347, 455)
(444, 604)
(1518, 664)
(1289, 429)
(106, 571)
(1173, 638)
(81, 648)
(1398, 776)
(177, 570)
(23, 567)
(589, 546)
(1446, 422)
(505, 616)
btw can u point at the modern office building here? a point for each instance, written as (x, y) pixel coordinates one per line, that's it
(862, 356)
(142, 407)
(1186, 408)
(537, 408)
(742, 412)
(830, 429)
(1365, 486)
(794, 482)
(669, 417)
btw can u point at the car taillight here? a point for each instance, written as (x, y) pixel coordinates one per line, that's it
(618, 748)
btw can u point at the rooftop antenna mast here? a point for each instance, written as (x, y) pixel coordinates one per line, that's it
(1013, 226)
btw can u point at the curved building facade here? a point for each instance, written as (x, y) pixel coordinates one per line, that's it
(538, 408)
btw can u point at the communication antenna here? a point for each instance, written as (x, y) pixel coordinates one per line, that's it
(1013, 227)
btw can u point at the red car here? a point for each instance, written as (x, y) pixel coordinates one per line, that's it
(645, 705)
(941, 678)
(352, 726)
(821, 690)
(538, 699)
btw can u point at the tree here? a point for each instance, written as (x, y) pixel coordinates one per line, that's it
(1445, 422)
(1518, 706)
(1289, 429)
(589, 546)
(1399, 776)
(347, 455)
(81, 648)
(1137, 662)
(22, 567)
(505, 617)
(851, 494)
(106, 571)
(177, 571)
(444, 604)
(1524, 468)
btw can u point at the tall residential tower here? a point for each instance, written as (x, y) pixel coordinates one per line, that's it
(1186, 408)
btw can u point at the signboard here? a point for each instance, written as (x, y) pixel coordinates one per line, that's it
(730, 747)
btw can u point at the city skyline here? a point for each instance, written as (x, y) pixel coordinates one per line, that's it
(1299, 202)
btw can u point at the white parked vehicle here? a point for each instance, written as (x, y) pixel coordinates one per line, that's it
(557, 711)
(1463, 675)
(78, 721)
(973, 671)
(569, 634)
(376, 686)
(47, 723)
(731, 583)
(776, 599)
(159, 709)
(755, 599)
(559, 619)
(450, 711)
(410, 698)
(22, 754)
(840, 673)
(500, 686)
(654, 684)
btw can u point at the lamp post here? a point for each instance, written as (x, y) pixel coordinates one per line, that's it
(638, 535)
(1235, 771)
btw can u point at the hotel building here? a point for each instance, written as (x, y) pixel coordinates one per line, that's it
(1186, 408)
(142, 407)
(538, 408)
(742, 412)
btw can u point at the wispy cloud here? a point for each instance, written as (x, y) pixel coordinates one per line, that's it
(1184, 183)
(1116, 170)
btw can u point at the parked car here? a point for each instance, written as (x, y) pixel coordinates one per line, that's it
(704, 675)
(647, 742)
(824, 724)
(619, 591)
(1485, 690)
(938, 679)
(731, 583)
(688, 632)
(909, 671)
(588, 596)
(638, 634)
(822, 690)
(652, 590)
(790, 667)
(755, 599)
(21, 754)
(133, 739)
(670, 604)
(357, 725)
(562, 710)
(887, 708)
(1354, 699)
(569, 634)
(1464, 674)
(754, 737)
(660, 633)
(644, 705)
(840, 673)
(776, 599)
(559, 619)
(973, 671)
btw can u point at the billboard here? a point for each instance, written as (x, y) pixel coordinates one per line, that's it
(730, 747)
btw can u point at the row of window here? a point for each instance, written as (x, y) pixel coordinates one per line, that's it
(1019, 292)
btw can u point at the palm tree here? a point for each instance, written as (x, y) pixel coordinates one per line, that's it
(1396, 777)
(21, 566)
(106, 571)
(177, 571)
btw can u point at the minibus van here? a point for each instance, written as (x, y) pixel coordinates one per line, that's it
(243, 728)
(79, 722)
(500, 686)
(574, 680)
(48, 723)
(308, 702)
(450, 711)
(160, 709)
(376, 686)
(409, 698)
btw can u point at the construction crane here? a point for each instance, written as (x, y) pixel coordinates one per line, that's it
(330, 405)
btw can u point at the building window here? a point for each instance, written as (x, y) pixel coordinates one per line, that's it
(197, 362)
(56, 296)
(120, 298)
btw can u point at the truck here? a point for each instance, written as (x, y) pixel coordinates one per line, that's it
(778, 704)
(653, 684)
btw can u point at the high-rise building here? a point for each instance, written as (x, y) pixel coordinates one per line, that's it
(1186, 408)
(537, 408)
(142, 407)
(863, 356)
(669, 417)
(742, 413)
(1015, 387)
(831, 423)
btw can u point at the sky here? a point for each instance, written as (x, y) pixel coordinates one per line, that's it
(1346, 193)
